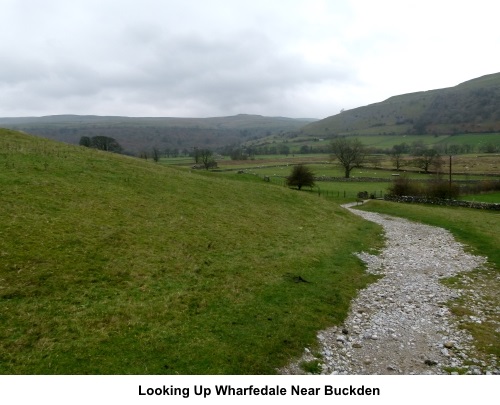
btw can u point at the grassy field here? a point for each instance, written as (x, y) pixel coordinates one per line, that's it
(477, 229)
(115, 265)
(493, 197)
(374, 181)
(388, 141)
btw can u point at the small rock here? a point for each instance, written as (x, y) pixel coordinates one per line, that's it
(475, 370)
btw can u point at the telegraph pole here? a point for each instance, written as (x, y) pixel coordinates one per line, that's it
(450, 179)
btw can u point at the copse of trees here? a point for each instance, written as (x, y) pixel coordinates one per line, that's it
(102, 143)
(204, 157)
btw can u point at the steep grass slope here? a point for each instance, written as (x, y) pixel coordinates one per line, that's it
(472, 106)
(114, 265)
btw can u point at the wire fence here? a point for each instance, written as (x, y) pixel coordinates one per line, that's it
(336, 189)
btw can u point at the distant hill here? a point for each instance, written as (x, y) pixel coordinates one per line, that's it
(472, 106)
(137, 135)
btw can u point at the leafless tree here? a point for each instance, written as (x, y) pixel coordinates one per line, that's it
(397, 154)
(156, 154)
(428, 158)
(349, 152)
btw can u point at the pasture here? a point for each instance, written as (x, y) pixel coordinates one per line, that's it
(116, 265)
(374, 177)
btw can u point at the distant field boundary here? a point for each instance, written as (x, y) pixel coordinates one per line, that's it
(440, 201)
(385, 169)
(347, 180)
(386, 180)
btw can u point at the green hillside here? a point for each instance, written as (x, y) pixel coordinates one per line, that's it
(470, 107)
(115, 265)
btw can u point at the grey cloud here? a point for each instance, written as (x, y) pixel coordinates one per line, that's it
(162, 56)
(248, 68)
(199, 58)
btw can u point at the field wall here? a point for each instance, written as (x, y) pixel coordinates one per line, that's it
(440, 201)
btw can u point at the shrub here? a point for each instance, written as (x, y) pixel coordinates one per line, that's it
(483, 186)
(404, 186)
(442, 189)
(301, 176)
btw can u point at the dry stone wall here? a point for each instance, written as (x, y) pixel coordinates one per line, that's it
(440, 201)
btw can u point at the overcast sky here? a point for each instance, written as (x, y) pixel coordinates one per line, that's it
(203, 58)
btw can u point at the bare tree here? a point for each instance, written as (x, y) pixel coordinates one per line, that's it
(156, 154)
(426, 159)
(397, 153)
(349, 152)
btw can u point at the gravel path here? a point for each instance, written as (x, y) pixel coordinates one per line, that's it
(401, 324)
